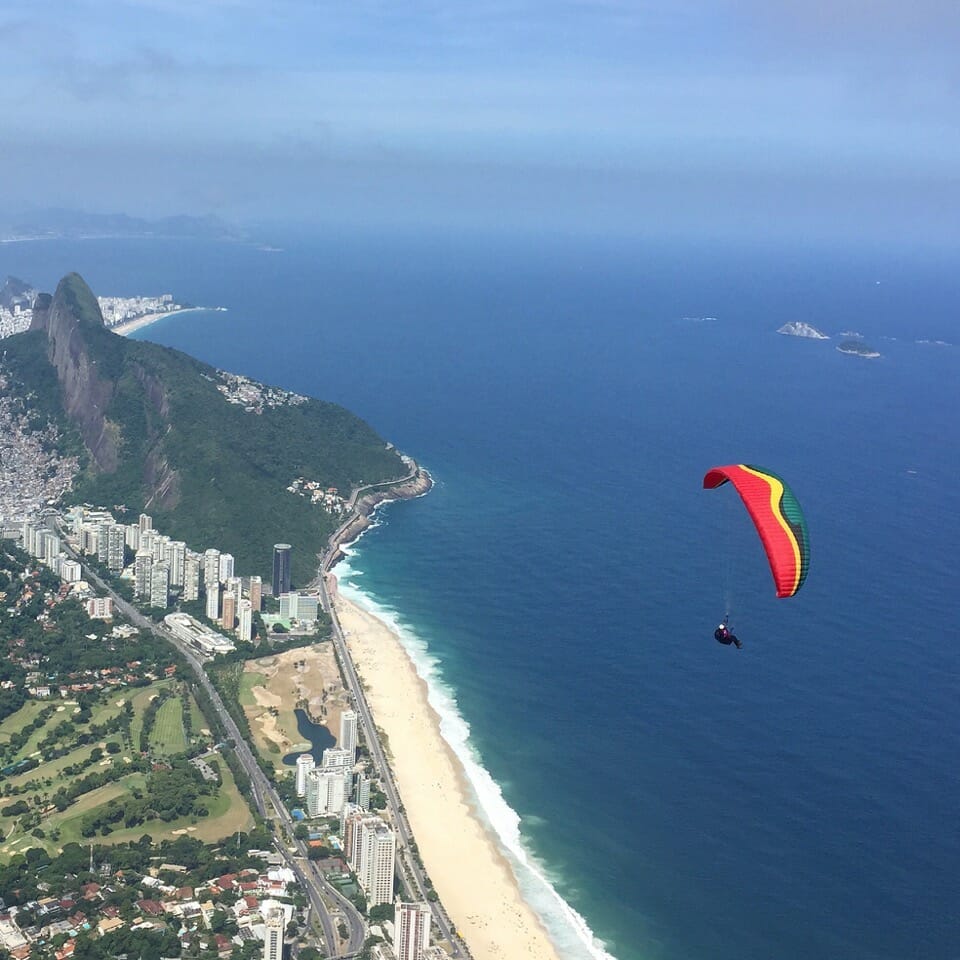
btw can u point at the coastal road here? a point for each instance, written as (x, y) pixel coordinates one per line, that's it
(405, 835)
(265, 798)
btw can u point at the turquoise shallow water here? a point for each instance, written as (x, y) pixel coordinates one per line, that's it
(562, 581)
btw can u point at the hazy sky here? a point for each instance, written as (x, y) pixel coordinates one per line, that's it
(758, 117)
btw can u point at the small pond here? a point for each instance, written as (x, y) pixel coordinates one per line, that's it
(316, 733)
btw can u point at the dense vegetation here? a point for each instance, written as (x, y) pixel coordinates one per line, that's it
(232, 466)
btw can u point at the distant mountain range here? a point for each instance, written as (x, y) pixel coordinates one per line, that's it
(74, 224)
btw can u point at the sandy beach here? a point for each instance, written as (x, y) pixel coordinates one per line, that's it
(130, 326)
(471, 876)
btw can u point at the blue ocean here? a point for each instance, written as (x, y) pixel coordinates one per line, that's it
(662, 797)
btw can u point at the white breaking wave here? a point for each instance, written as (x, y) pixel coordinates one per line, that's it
(568, 930)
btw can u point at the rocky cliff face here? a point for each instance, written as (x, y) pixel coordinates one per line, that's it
(66, 317)
(76, 342)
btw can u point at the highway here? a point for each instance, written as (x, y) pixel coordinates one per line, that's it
(265, 798)
(404, 834)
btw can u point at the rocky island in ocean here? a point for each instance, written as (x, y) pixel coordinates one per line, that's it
(858, 349)
(798, 328)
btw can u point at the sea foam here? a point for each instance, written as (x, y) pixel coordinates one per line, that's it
(567, 929)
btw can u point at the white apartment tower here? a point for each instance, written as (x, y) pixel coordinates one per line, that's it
(191, 579)
(213, 600)
(305, 763)
(175, 553)
(160, 585)
(363, 792)
(211, 568)
(376, 859)
(411, 930)
(161, 542)
(348, 732)
(145, 523)
(116, 543)
(142, 568)
(336, 759)
(274, 929)
(245, 626)
(327, 791)
(226, 567)
(131, 534)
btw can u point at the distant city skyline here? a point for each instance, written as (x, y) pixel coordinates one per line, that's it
(810, 120)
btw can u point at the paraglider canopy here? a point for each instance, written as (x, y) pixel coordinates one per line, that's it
(778, 518)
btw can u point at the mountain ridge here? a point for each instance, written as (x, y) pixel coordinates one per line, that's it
(159, 433)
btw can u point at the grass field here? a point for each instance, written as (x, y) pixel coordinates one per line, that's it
(17, 721)
(247, 682)
(167, 736)
(53, 769)
(199, 721)
(141, 700)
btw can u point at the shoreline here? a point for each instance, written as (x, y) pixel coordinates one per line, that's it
(138, 323)
(462, 855)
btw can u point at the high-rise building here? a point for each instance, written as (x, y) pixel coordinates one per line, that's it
(70, 571)
(281, 568)
(274, 927)
(334, 758)
(376, 855)
(160, 544)
(116, 544)
(363, 792)
(211, 568)
(245, 621)
(142, 568)
(160, 585)
(226, 567)
(411, 930)
(103, 538)
(213, 601)
(48, 546)
(256, 593)
(191, 579)
(348, 732)
(175, 554)
(145, 523)
(350, 821)
(305, 763)
(228, 615)
(147, 540)
(327, 791)
(131, 533)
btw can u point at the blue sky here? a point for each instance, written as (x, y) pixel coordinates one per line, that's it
(776, 118)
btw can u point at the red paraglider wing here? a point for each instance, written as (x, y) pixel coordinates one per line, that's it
(777, 516)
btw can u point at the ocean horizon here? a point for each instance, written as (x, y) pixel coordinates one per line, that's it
(660, 797)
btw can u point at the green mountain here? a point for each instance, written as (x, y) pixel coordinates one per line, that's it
(208, 455)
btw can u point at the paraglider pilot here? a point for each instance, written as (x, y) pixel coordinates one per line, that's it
(723, 635)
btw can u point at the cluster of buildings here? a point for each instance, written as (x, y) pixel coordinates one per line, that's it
(33, 475)
(117, 310)
(164, 570)
(253, 396)
(327, 497)
(258, 902)
(14, 319)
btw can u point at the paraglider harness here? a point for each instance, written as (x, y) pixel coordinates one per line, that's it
(723, 635)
